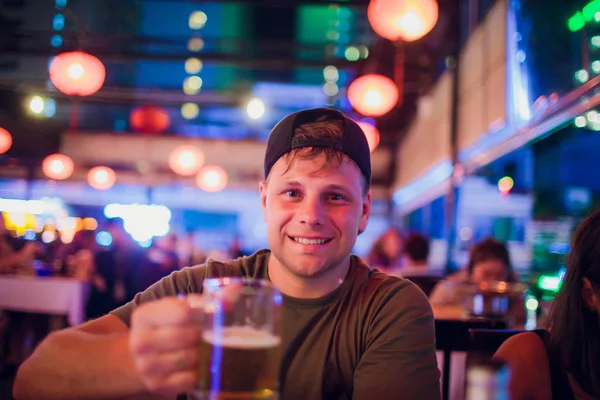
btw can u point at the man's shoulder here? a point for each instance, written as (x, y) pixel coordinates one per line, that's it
(387, 289)
(252, 266)
(190, 280)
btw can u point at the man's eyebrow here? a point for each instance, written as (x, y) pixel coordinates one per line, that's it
(335, 186)
(292, 183)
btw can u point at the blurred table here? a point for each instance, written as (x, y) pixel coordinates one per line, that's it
(452, 312)
(45, 295)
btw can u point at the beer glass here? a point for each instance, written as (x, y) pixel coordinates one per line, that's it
(241, 346)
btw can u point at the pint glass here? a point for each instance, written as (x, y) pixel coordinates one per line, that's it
(241, 345)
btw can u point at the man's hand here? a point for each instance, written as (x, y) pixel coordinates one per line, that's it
(164, 340)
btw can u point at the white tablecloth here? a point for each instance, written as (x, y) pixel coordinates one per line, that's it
(45, 295)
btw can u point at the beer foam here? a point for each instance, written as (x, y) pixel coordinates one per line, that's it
(241, 337)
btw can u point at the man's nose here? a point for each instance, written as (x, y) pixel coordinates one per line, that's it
(311, 212)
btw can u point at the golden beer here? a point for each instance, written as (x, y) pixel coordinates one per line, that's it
(239, 362)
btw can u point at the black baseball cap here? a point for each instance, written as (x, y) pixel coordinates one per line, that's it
(354, 143)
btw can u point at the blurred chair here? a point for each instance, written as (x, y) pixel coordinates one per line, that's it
(425, 282)
(453, 336)
(489, 340)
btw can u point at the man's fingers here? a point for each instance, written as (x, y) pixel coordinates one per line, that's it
(162, 365)
(164, 340)
(182, 382)
(195, 301)
(167, 338)
(167, 311)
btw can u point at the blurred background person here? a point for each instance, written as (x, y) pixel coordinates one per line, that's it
(127, 258)
(162, 259)
(186, 250)
(415, 263)
(79, 261)
(415, 257)
(386, 252)
(489, 261)
(235, 250)
(102, 285)
(15, 254)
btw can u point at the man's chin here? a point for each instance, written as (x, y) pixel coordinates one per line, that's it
(306, 266)
(308, 271)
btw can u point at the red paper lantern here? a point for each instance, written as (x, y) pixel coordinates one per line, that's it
(186, 160)
(77, 73)
(149, 119)
(372, 134)
(406, 20)
(373, 95)
(5, 140)
(101, 178)
(58, 166)
(212, 178)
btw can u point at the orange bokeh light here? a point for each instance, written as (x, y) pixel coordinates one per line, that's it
(186, 160)
(101, 178)
(5, 140)
(373, 95)
(149, 119)
(372, 134)
(77, 73)
(506, 184)
(212, 178)
(406, 20)
(58, 166)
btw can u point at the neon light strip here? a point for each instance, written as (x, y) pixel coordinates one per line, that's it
(534, 131)
(435, 176)
(417, 193)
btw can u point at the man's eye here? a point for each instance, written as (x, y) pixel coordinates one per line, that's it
(337, 197)
(292, 193)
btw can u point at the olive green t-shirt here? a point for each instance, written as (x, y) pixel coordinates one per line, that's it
(371, 338)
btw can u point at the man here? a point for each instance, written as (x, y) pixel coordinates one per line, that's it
(348, 332)
(415, 263)
(416, 256)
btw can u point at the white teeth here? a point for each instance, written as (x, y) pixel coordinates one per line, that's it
(310, 241)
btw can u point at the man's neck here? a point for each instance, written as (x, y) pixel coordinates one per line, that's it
(306, 288)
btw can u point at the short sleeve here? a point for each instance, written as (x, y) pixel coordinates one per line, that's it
(183, 282)
(399, 360)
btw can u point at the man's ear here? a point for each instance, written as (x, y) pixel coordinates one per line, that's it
(589, 296)
(365, 213)
(262, 189)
